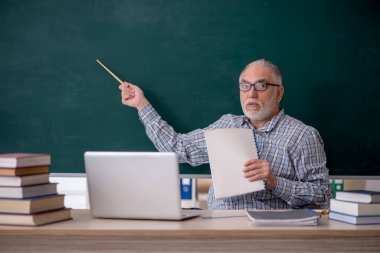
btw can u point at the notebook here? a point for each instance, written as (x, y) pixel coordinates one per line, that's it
(290, 217)
(134, 185)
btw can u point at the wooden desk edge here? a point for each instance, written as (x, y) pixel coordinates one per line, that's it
(195, 234)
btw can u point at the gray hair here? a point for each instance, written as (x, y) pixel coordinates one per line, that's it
(262, 62)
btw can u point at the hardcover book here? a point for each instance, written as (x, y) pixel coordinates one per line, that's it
(24, 180)
(17, 160)
(28, 191)
(24, 171)
(356, 220)
(361, 196)
(353, 208)
(36, 219)
(31, 205)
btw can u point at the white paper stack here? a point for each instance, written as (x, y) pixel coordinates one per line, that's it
(228, 149)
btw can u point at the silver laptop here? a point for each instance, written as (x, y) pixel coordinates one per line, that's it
(134, 185)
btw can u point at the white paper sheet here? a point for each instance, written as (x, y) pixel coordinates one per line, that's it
(228, 149)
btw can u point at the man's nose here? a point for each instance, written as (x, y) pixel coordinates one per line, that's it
(252, 93)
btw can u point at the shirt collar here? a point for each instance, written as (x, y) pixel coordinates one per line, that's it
(269, 125)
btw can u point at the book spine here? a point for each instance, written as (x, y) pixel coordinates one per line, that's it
(186, 188)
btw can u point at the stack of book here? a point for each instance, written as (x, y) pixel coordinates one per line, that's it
(26, 195)
(356, 207)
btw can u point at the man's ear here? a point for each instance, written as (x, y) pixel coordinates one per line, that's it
(280, 93)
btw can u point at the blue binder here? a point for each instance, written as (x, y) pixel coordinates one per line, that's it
(186, 188)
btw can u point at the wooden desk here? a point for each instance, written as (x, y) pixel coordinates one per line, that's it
(85, 234)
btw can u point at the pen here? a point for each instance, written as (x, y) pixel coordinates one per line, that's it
(322, 211)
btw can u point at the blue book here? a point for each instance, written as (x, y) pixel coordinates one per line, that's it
(361, 196)
(353, 219)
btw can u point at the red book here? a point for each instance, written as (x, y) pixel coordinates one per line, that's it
(17, 160)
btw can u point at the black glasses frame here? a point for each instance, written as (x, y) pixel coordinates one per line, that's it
(255, 86)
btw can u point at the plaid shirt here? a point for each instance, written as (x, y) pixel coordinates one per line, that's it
(294, 150)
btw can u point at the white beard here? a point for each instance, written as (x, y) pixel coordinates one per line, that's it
(264, 111)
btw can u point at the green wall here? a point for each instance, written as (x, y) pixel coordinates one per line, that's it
(186, 56)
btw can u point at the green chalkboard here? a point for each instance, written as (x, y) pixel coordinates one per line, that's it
(186, 56)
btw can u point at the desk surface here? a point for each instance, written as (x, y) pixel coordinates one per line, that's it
(234, 221)
(214, 232)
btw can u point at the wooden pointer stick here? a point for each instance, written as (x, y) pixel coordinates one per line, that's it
(109, 71)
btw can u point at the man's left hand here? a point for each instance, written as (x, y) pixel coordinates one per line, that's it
(260, 170)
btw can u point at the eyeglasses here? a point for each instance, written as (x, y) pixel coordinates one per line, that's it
(259, 86)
